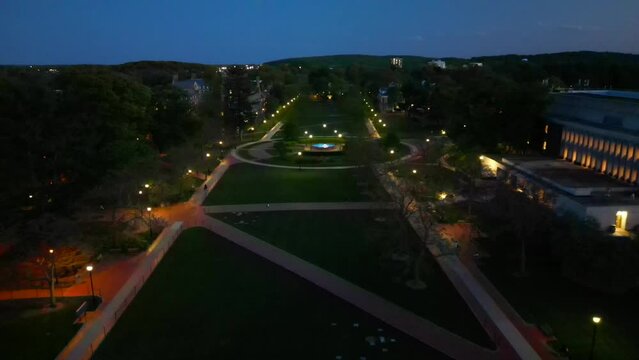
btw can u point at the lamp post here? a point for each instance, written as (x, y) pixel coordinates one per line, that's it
(90, 270)
(595, 322)
(52, 280)
(148, 210)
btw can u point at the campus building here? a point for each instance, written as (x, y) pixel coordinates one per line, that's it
(397, 62)
(592, 164)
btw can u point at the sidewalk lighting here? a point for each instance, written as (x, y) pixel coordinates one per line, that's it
(90, 270)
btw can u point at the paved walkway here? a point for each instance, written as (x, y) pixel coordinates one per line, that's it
(269, 134)
(403, 320)
(108, 277)
(299, 207)
(480, 302)
(259, 151)
(372, 131)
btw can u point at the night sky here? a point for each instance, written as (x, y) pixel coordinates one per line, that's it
(255, 31)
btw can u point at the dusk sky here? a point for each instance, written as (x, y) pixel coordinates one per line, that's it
(255, 31)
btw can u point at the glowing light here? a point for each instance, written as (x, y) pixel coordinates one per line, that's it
(264, 121)
(189, 171)
(305, 132)
(299, 153)
(272, 115)
(30, 196)
(323, 125)
(596, 319)
(414, 171)
(481, 157)
(140, 192)
(310, 136)
(443, 132)
(220, 142)
(392, 152)
(339, 135)
(50, 251)
(148, 209)
(147, 186)
(208, 154)
(442, 196)
(427, 140)
(89, 267)
(334, 131)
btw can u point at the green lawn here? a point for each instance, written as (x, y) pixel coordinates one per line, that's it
(544, 298)
(246, 184)
(29, 332)
(352, 244)
(209, 299)
(312, 115)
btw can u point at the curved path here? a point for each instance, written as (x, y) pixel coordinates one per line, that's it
(234, 153)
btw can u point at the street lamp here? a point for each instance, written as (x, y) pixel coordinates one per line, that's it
(595, 322)
(208, 155)
(414, 171)
(147, 186)
(52, 280)
(392, 152)
(148, 210)
(90, 270)
(323, 125)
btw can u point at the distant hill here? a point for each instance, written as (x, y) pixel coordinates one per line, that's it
(580, 69)
(342, 61)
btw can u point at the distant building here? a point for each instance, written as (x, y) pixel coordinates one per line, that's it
(388, 97)
(593, 137)
(397, 62)
(195, 88)
(476, 64)
(438, 63)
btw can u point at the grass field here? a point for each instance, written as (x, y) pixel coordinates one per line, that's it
(246, 184)
(311, 115)
(28, 332)
(209, 299)
(352, 244)
(546, 299)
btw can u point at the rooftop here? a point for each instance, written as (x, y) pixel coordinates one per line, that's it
(568, 177)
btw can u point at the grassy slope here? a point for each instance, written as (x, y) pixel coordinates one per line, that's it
(211, 299)
(349, 243)
(40, 336)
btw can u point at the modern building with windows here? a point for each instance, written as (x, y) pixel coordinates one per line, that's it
(592, 164)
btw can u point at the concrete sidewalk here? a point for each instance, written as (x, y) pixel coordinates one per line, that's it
(419, 328)
(269, 135)
(299, 207)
